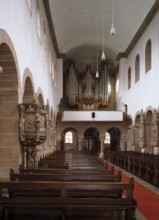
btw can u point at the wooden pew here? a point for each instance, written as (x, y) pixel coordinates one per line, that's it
(143, 165)
(73, 160)
(83, 163)
(67, 171)
(64, 177)
(66, 199)
(155, 176)
(64, 165)
(49, 164)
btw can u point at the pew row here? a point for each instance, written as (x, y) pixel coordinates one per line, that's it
(40, 199)
(49, 164)
(65, 177)
(143, 165)
(67, 171)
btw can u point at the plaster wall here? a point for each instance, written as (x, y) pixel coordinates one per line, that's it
(144, 93)
(20, 25)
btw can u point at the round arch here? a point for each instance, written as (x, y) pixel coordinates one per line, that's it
(115, 134)
(5, 39)
(10, 145)
(148, 120)
(149, 108)
(91, 140)
(28, 96)
(40, 96)
(28, 89)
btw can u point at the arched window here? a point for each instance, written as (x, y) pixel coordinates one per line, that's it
(29, 2)
(38, 18)
(117, 86)
(68, 137)
(107, 138)
(129, 78)
(52, 69)
(148, 56)
(137, 68)
(45, 38)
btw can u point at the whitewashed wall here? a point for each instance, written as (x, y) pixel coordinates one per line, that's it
(20, 25)
(145, 92)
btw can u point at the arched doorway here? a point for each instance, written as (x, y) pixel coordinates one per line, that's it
(92, 140)
(114, 138)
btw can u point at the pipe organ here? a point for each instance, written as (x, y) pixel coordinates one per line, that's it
(85, 90)
(72, 86)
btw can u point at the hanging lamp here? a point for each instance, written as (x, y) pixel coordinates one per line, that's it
(112, 29)
(103, 53)
(97, 72)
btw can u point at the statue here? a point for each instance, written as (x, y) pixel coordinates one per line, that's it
(22, 121)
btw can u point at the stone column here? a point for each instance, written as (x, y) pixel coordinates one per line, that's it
(25, 158)
(101, 154)
(80, 144)
(142, 131)
(124, 142)
(154, 132)
(58, 144)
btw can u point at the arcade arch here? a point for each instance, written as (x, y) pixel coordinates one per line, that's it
(9, 130)
(114, 139)
(28, 95)
(148, 120)
(91, 140)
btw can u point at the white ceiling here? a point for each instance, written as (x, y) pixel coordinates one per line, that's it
(77, 22)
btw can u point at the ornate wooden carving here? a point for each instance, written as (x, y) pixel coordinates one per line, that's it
(33, 124)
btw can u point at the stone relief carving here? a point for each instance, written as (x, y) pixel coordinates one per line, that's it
(29, 122)
(22, 122)
(31, 158)
(39, 122)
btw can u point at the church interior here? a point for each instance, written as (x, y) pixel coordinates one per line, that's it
(79, 109)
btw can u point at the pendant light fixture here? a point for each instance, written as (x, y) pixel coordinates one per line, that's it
(97, 72)
(112, 29)
(1, 69)
(103, 53)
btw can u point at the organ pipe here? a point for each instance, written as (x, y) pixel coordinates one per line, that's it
(87, 87)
